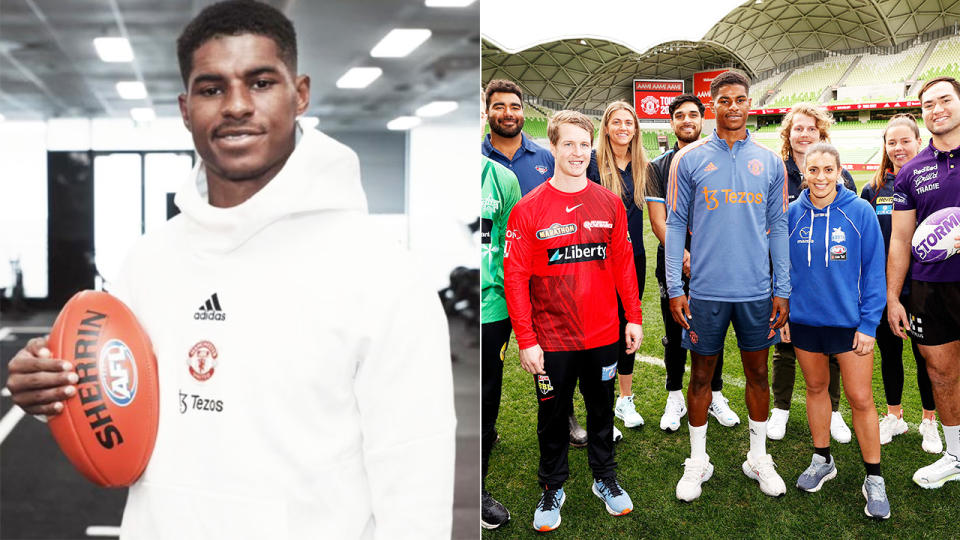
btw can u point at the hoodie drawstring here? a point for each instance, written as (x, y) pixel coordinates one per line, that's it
(826, 241)
(810, 238)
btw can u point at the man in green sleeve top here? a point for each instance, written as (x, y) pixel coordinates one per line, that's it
(499, 191)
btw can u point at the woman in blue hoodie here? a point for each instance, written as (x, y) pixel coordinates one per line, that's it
(835, 241)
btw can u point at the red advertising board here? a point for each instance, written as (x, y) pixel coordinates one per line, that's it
(651, 98)
(849, 107)
(701, 87)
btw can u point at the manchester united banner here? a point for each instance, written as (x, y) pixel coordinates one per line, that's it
(652, 97)
(701, 87)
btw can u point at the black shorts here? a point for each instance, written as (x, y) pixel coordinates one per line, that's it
(822, 339)
(934, 312)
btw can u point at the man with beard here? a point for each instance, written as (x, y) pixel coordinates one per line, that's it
(686, 119)
(728, 190)
(507, 144)
(925, 184)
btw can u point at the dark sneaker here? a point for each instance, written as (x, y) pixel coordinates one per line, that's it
(578, 435)
(492, 513)
(875, 491)
(817, 473)
(547, 515)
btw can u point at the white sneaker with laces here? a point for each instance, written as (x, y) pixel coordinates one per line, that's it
(720, 410)
(617, 436)
(695, 473)
(838, 428)
(764, 471)
(672, 413)
(777, 423)
(932, 443)
(627, 411)
(938, 473)
(890, 427)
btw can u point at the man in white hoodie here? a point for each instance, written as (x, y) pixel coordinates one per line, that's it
(288, 428)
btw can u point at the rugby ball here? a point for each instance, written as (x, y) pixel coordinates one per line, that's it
(108, 428)
(934, 239)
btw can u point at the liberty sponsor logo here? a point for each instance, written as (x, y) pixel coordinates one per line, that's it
(589, 225)
(577, 253)
(202, 360)
(838, 253)
(541, 169)
(729, 196)
(556, 230)
(210, 310)
(196, 402)
(118, 372)
(838, 236)
(755, 167)
(710, 167)
(572, 208)
(941, 229)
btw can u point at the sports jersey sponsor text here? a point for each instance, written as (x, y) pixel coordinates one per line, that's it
(556, 230)
(196, 402)
(588, 225)
(838, 253)
(730, 197)
(577, 253)
(486, 227)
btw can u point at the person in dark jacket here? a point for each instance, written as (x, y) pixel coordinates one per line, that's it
(901, 142)
(804, 126)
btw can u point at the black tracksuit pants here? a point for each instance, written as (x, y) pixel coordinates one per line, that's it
(493, 342)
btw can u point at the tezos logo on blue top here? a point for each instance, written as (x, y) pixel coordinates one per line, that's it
(118, 372)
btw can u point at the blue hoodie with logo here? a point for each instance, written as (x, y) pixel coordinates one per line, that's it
(837, 265)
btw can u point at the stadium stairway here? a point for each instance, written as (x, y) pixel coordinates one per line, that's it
(828, 91)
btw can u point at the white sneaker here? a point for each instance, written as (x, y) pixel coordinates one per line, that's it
(626, 411)
(695, 473)
(617, 436)
(938, 473)
(764, 471)
(838, 428)
(931, 436)
(722, 412)
(672, 413)
(777, 423)
(890, 427)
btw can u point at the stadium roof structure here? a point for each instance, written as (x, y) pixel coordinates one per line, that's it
(757, 36)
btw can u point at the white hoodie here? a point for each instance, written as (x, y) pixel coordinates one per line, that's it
(327, 411)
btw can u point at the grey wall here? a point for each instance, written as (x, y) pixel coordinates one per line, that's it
(383, 167)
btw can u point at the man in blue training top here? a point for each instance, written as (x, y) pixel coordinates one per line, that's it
(729, 192)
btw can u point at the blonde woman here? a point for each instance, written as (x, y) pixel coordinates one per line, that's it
(620, 165)
(901, 143)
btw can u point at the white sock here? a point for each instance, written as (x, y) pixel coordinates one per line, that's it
(675, 394)
(758, 438)
(952, 436)
(717, 395)
(698, 442)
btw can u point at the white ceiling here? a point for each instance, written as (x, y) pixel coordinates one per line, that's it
(49, 68)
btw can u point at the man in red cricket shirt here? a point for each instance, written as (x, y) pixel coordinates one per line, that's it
(566, 258)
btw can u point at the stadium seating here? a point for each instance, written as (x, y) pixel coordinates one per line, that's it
(886, 68)
(808, 83)
(945, 60)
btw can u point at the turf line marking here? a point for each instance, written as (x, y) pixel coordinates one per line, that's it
(9, 421)
(4, 332)
(103, 530)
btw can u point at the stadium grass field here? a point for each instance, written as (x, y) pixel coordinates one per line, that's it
(650, 462)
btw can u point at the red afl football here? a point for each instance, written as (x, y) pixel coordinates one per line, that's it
(107, 429)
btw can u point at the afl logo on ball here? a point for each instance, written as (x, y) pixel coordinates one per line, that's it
(202, 360)
(118, 372)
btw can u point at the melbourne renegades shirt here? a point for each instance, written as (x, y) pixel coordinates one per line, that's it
(566, 257)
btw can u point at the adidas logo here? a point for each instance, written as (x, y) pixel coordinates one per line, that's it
(710, 167)
(210, 310)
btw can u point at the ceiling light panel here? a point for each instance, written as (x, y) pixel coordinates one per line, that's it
(400, 42)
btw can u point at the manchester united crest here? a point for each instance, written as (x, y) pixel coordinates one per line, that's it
(202, 360)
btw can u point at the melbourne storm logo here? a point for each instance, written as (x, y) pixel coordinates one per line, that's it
(577, 253)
